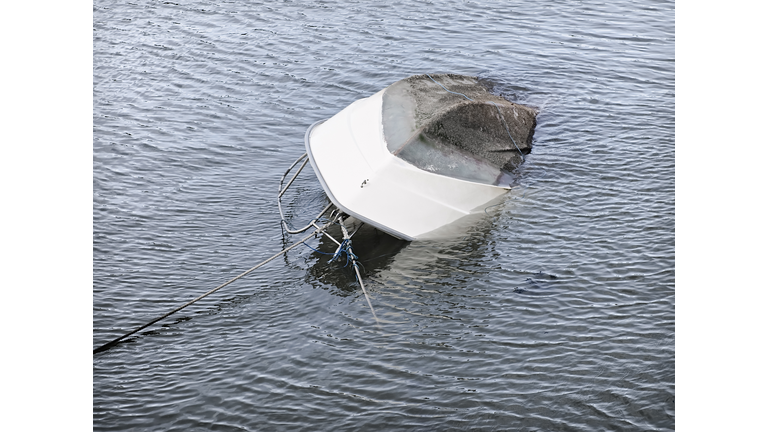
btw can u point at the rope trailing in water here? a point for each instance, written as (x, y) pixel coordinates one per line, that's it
(497, 109)
(116, 341)
(346, 245)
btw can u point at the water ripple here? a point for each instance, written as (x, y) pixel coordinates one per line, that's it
(552, 311)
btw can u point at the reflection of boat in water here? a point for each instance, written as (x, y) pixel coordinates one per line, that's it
(374, 250)
(420, 154)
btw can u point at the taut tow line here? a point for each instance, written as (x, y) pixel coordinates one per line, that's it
(116, 341)
(345, 246)
(350, 254)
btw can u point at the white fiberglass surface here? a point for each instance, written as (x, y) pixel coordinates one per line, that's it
(360, 176)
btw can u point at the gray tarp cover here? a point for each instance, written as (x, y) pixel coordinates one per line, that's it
(478, 140)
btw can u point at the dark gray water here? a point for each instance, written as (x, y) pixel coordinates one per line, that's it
(554, 312)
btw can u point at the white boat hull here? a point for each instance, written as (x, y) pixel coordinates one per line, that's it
(360, 176)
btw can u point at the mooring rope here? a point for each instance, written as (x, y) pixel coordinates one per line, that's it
(116, 341)
(347, 246)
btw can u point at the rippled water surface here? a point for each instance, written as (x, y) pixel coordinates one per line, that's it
(553, 312)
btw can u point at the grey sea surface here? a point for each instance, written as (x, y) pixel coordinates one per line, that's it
(555, 310)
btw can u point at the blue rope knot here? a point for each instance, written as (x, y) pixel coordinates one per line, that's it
(346, 249)
(359, 266)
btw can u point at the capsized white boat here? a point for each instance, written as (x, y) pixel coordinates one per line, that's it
(421, 154)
